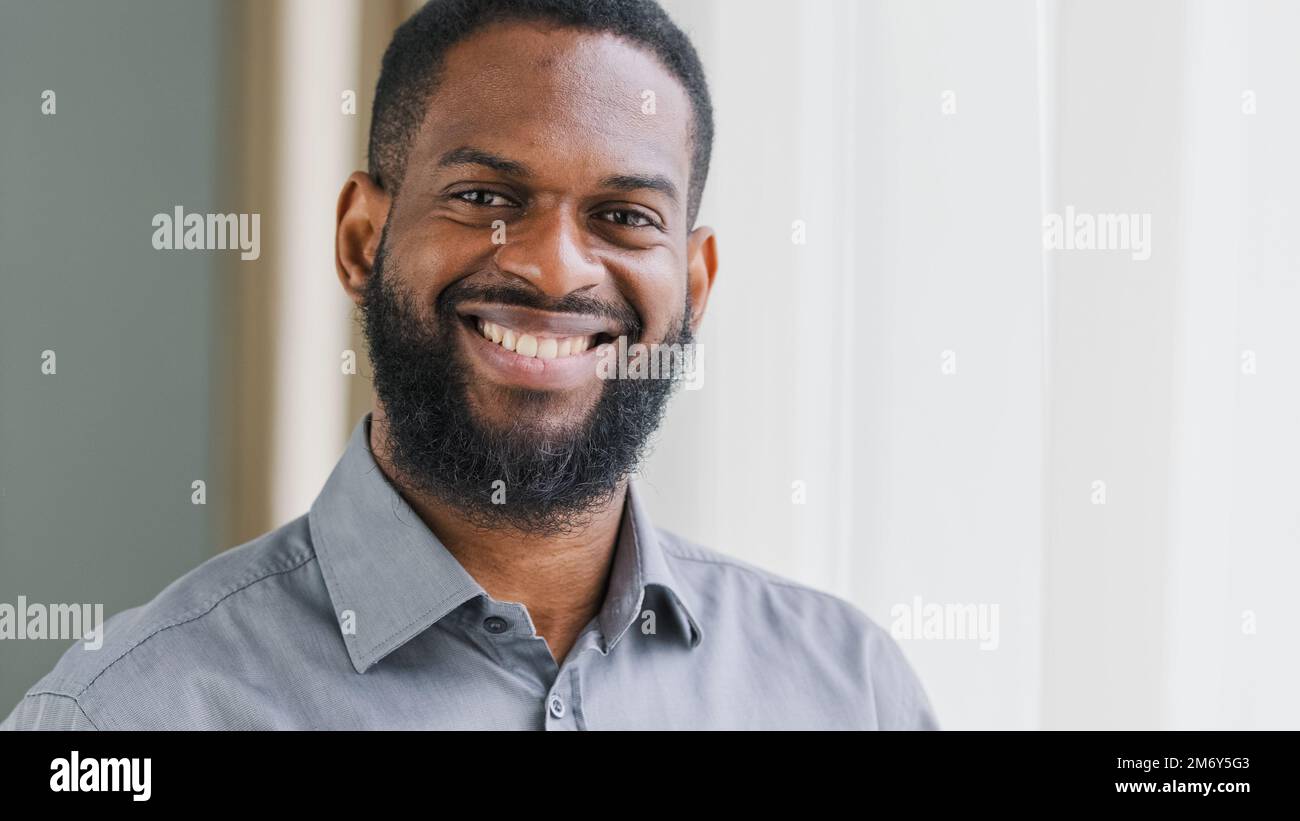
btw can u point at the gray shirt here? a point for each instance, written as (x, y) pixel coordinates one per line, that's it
(355, 616)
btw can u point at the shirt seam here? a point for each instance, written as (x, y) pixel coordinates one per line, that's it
(76, 702)
(579, 717)
(197, 613)
(760, 574)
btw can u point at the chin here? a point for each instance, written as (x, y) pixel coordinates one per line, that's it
(543, 414)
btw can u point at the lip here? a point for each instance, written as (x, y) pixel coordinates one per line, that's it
(508, 367)
(541, 323)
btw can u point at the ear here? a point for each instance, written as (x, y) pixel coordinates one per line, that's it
(701, 267)
(360, 217)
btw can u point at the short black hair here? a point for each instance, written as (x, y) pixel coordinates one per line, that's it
(416, 54)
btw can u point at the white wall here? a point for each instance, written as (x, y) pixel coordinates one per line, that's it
(1234, 501)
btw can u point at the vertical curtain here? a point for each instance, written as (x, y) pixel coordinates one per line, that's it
(289, 402)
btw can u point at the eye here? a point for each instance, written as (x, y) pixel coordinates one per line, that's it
(487, 199)
(629, 218)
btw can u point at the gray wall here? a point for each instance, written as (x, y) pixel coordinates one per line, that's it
(96, 461)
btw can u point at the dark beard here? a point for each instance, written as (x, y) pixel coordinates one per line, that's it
(553, 481)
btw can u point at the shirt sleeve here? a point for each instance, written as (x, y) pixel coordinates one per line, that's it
(901, 700)
(48, 711)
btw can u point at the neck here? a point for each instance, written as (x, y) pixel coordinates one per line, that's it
(560, 579)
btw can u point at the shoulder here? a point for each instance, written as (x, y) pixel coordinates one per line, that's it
(195, 620)
(749, 589)
(833, 640)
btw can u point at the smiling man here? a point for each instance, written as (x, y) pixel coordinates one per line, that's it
(480, 558)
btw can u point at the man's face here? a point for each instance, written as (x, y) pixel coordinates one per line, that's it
(542, 213)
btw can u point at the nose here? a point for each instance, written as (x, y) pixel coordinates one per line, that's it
(548, 250)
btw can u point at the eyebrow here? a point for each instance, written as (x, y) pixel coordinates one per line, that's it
(635, 182)
(468, 155)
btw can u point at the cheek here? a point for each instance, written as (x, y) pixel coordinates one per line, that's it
(429, 264)
(660, 299)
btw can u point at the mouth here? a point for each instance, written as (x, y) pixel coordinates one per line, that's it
(533, 349)
(535, 345)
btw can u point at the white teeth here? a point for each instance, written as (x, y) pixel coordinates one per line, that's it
(545, 347)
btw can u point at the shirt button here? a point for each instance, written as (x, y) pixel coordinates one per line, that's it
(557, 706)
(495, 624)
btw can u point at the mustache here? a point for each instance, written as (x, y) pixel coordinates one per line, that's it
(522, 296)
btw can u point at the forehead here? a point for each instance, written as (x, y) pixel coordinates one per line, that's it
(560, 99)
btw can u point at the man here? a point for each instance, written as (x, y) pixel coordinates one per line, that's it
(479, 557)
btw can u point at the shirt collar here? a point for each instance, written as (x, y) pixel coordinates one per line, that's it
(640, 565)
(390, 578)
